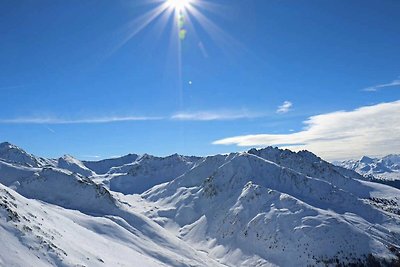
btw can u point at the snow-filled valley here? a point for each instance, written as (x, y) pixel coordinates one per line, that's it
(266, 207)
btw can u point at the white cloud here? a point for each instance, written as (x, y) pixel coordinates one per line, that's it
(285, 107)
(215, 115)
(54, 120)
(370, 130)
(382, 86)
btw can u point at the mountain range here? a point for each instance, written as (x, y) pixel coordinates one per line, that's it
(263, 207)
(384, 170)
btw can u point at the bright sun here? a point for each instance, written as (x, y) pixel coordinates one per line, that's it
(179, 5)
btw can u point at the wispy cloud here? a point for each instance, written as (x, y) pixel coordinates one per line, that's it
(368, 130)
(181, 116)
(382, 86)
(215, 115)
(53, 120)
(285, 107)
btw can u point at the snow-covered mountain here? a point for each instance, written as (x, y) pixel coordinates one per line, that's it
(35, 233)
(104, 166)
(266, 207)
(146, 172)
(384, 170)
(14, 154)
(242, 206)
(70, 163)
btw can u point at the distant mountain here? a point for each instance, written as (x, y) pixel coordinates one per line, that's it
(383, 170)
(264, 207)
(148, 171)
(104, 166)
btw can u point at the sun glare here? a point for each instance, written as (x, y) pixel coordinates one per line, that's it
(179, 5)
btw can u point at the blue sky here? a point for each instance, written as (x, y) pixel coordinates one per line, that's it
(87, 78)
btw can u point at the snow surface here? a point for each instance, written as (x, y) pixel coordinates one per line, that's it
(266, 207)
(35, 233)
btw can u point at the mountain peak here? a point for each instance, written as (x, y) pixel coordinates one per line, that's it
(13, 154)
(74, 165)
(366, 159)
(70, 158)
(8, 145)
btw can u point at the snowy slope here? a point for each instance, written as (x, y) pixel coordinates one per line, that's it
(243, 208)
(103, 215)
(386, 168)
(38, 234)
(266, 207)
